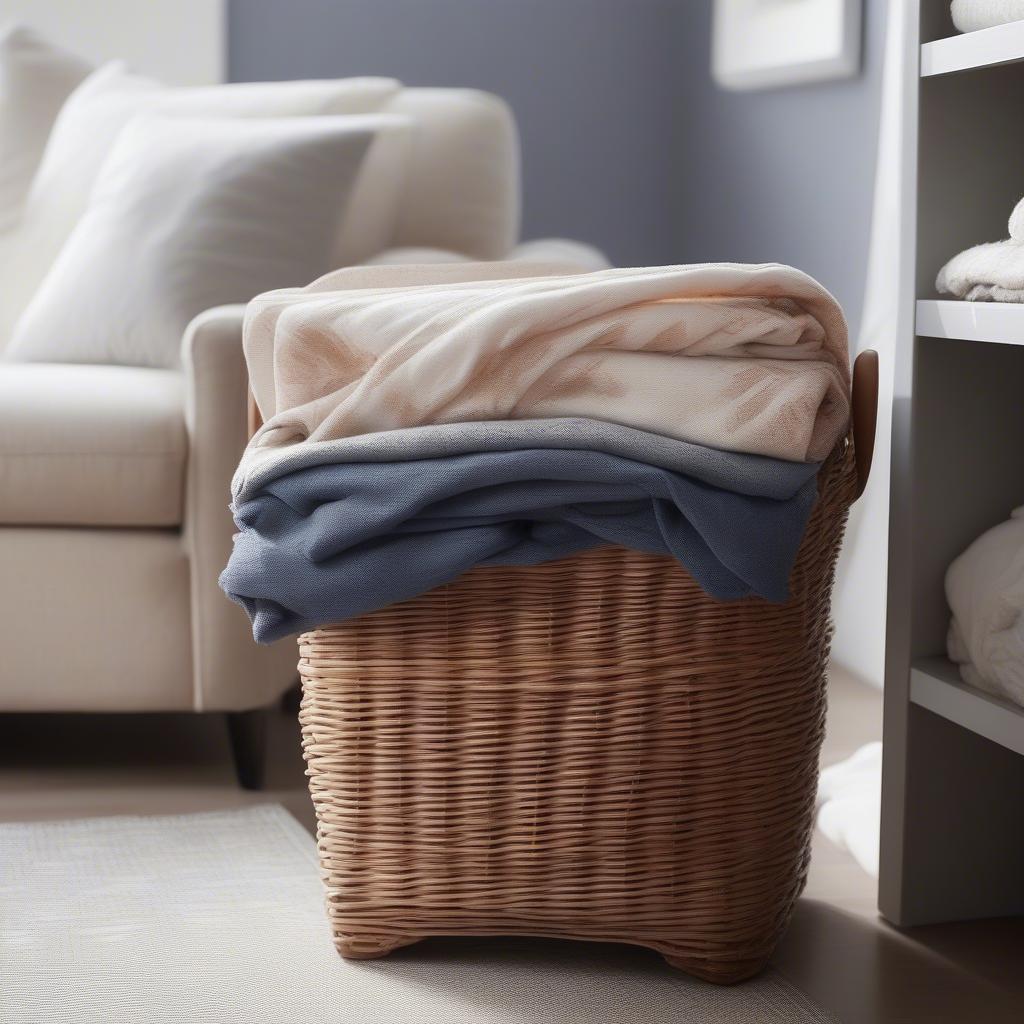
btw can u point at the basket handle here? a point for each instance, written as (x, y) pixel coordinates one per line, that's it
(865, 414)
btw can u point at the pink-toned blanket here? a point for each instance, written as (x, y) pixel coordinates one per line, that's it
(744, 358)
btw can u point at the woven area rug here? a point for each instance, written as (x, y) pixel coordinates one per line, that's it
(219, 918)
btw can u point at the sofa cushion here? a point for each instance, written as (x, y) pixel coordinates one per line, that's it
(89, 126)
(91, 446)
(188, 214)
(35, 80)
(462, 188)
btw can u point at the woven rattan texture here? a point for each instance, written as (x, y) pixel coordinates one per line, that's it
(591, 748)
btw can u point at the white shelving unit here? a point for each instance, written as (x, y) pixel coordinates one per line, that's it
(1000, 323)
(935, 684)
(1003, 44)
(952, 843)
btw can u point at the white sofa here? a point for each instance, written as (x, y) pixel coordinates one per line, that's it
(114, 481)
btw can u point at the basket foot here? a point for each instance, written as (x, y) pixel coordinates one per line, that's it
(725, 972)
(370, 947)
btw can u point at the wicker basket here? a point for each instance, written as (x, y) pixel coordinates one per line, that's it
(589, 749)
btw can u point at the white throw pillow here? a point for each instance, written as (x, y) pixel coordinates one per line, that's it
(188, 214)
(88, 127)
(35, 80)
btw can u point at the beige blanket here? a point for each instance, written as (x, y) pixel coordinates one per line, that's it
(745, 358)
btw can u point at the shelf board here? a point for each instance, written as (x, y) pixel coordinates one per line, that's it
(935, 684)
(999, 322)
(986, 48)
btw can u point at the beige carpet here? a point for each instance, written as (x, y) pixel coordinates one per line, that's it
(218, 918)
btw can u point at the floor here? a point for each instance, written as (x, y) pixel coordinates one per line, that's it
(837, 950)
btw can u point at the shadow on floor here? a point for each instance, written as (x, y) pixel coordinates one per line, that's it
(867, 972)
(853, 965)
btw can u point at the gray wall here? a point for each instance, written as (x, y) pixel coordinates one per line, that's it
(627, 143)
(782, 174)
(593, 83)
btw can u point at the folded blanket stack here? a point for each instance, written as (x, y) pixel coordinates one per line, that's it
(422, 420)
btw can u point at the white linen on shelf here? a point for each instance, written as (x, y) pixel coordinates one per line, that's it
(972, 15)
(985, 590)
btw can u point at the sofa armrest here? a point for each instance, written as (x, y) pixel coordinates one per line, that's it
(230, 671)
(561, 250)
(579, 255)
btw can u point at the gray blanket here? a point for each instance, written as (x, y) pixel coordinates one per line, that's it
(733, 471)
(329, 542)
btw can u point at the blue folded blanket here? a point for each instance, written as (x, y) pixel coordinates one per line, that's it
(328, 542)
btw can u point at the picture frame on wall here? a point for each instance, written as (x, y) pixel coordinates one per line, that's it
(763, 44)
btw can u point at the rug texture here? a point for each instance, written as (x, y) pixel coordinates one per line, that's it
(219, 918)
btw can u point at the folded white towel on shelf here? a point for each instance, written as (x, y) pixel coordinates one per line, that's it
(850, 805)
(971, 15)
(985, 590)
(992, 272)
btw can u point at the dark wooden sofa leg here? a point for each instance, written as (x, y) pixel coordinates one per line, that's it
(248, 732)
(292, 699)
